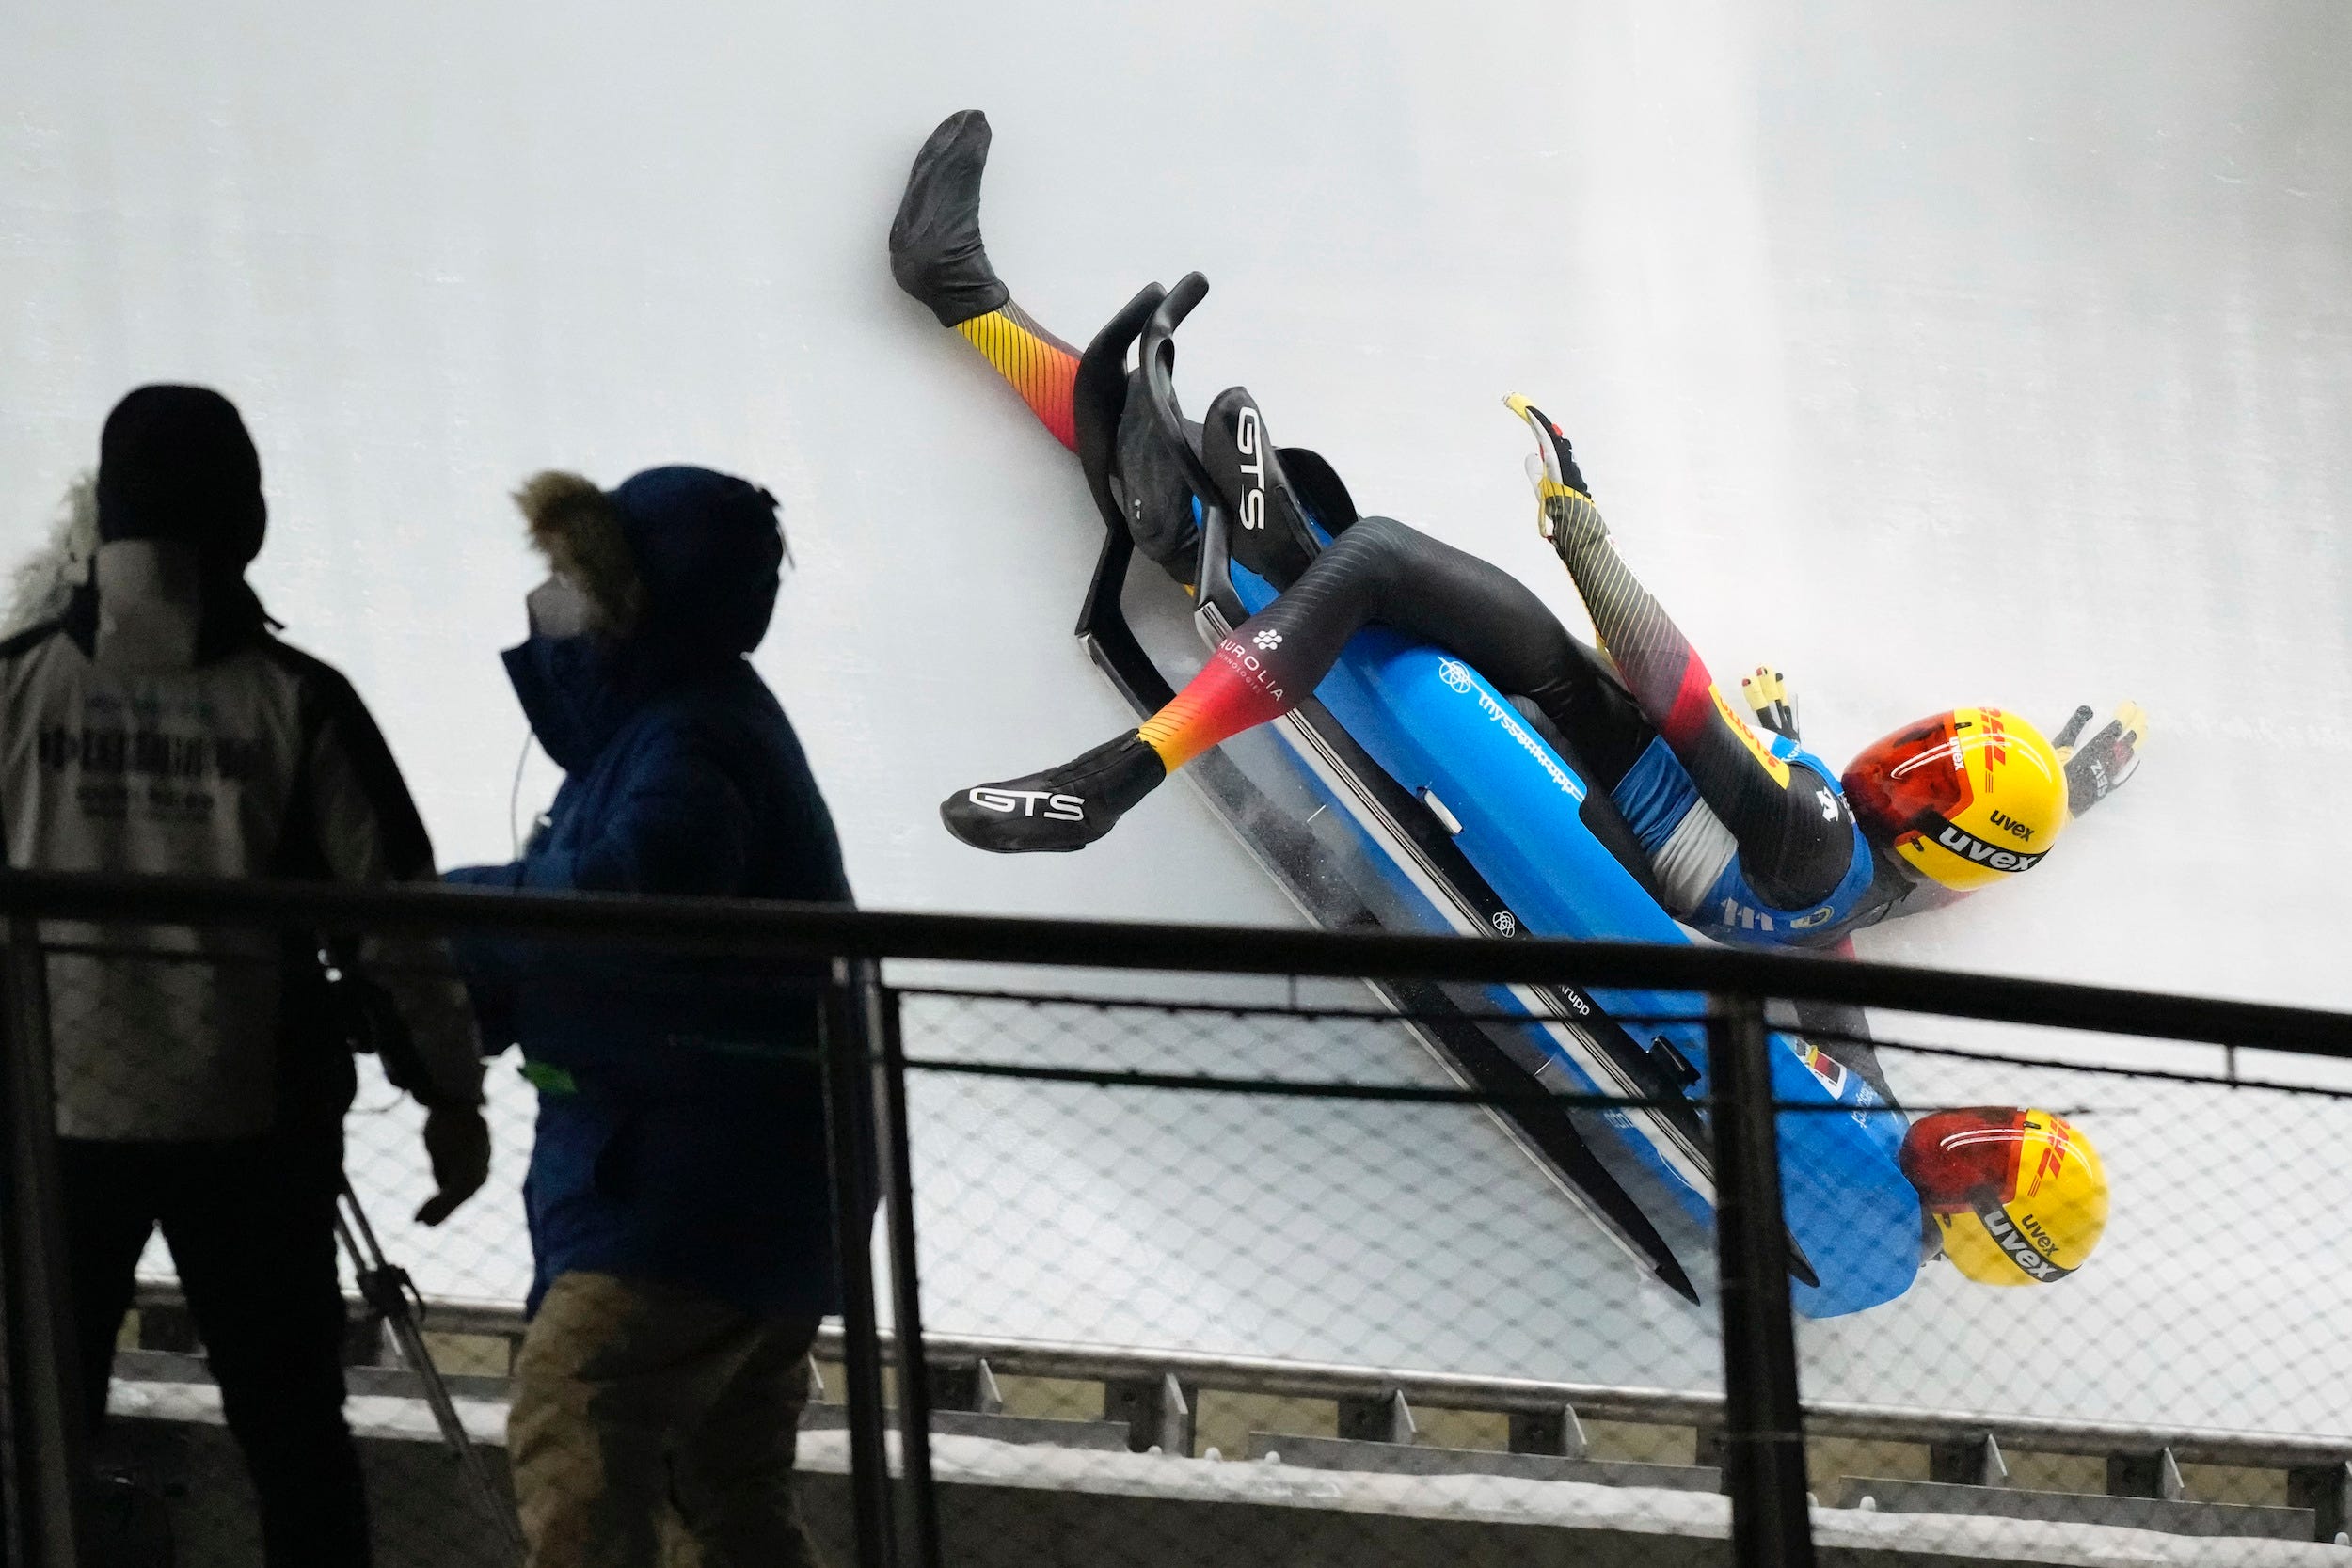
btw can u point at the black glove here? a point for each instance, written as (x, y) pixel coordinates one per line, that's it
(1766, 692)
(2096, 767)
(1565, 513)
(370, 1021)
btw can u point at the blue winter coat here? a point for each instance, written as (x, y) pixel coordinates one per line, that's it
(681, 1133)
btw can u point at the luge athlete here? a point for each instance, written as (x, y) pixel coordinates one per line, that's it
(1748, 838)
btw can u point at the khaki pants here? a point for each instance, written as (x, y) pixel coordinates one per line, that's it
(644, 1410)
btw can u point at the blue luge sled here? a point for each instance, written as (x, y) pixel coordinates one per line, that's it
(1469, 822)
(1438, 729)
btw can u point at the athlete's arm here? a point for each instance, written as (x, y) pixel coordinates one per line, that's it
(1795, 835)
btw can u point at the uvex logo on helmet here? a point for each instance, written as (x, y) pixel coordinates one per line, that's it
(1249, 441)
(1976, 851)
(1060, 808)
(2012, 1239)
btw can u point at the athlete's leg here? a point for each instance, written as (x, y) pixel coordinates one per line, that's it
(1041, 368)
(936, 256)
(1382, 570)
(1793, 829)
(1378, 570)
(252, 1230)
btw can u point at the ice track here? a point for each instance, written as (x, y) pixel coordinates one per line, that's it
(1994, 356)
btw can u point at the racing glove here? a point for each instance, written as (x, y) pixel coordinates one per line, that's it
(2096, 767)
(1766, 692)
(1564, 511)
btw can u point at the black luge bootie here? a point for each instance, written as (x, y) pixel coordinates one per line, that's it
(1062, 809)
(936, 249)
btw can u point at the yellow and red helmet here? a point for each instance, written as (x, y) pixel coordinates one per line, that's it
(1965, 799)
(2020, 1195)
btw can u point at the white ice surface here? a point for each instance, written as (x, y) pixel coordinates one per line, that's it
(2001, 355)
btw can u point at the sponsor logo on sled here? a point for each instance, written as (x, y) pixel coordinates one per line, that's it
(1960, 842)
(1249, 441)
(1059, 808)
(1268, 638)
(1457, 676)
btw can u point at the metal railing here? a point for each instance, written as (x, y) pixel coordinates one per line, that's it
(1760, 1418)
(950, 1354)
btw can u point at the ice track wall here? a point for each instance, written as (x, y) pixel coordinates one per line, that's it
(1934, 358)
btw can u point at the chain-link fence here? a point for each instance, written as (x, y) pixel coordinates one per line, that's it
(1353, 1270)
(1456, 1261)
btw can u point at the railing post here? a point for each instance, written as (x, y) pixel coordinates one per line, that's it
(46, 1453)
(920, 1514)
(1764, 1425)
(850, 1136)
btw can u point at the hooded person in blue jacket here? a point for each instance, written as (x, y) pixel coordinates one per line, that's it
(678, 1195)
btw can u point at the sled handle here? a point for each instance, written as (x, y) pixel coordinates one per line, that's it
(1159, 379)
(1100, 399)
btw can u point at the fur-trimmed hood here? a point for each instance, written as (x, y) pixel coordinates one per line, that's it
(680, 567)
(58, 580)
(43, 584)
(679, 555)
(578, 529)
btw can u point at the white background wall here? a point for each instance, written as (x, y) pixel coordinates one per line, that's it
(1935, 357)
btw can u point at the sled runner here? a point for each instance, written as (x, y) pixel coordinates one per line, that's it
(1408, 794)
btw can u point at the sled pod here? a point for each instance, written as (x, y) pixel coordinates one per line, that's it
(1410, 793)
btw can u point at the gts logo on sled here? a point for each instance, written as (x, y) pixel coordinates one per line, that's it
(1249, 441)
(1059, 808)
(1960, 842)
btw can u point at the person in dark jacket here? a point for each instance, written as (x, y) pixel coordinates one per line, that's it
(151, 723)
(678, 1196)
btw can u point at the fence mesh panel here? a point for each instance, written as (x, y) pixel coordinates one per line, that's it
(1220, 1269)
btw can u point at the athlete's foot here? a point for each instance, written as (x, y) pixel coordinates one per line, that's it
(1062, 809)
(936, 249)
